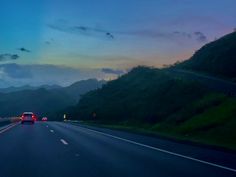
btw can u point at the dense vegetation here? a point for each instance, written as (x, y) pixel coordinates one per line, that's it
(151, 100)
(209, 120)
(144, 95)
(217, 58)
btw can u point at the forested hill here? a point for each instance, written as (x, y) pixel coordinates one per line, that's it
(216, 58)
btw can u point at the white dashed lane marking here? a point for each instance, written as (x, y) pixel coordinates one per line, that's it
(8, 127)
(64, 142)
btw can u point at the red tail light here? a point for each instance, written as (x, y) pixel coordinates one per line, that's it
(34, 117)
(22, 117)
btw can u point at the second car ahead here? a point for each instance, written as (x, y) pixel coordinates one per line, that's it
(28, 117)
(44, 119)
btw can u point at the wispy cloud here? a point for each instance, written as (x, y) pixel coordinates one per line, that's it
(112, 71)
(8, 56)
(49, 42)
(89, 30)
(16, 71)
(12, 74)
(81, 30)
(200, 36)
(22, 49)
(63, 26)
(183, 34)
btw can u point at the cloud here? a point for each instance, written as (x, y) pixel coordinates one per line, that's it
(12, 74)
(50, 41)
(22, 49)
(146, 33)
(112, 71)
(90, 31)
(183, 34)
(200, 36)
(63, 26)
(110, 35)
(47, 42)
(81, 30)
(8, 56)
(16, 71)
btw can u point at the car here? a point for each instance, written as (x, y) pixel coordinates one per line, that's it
(28, 117)
(44, 119)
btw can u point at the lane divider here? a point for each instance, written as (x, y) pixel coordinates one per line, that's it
(63, 141)
(163, 150)
(8, 127)
(52, 131)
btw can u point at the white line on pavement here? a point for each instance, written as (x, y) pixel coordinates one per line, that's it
(52, 131)
(64, 142)
(164, 151)
(8, 127)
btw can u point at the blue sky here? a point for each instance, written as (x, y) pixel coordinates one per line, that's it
(91, 34)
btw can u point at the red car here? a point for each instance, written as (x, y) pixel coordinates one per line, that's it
(28, 117)
(44, 119)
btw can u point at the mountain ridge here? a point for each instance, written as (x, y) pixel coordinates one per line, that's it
(216, 58)
(44, 100)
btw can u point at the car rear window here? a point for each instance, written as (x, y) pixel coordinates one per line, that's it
(27, 115)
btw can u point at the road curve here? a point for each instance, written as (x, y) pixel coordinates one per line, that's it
(63, 149)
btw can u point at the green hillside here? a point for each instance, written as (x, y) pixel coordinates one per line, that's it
(150, 100)
(153, 100)
(142, 95)
(216, 58)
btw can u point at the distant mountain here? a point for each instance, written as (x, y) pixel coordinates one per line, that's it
(28, 87)
(81, 87)
(40, 101)
(45, 99)
(216, 58)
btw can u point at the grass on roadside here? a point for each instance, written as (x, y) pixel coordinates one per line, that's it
(211, 120)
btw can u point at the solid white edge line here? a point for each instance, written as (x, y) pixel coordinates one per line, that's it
(8, 127)
(63, 141)
(164, 151)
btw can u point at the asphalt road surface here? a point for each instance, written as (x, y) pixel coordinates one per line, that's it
(57, 149)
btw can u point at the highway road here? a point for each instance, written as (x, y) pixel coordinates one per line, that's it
(59, 149)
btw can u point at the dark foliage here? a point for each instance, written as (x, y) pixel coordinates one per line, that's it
(143, 95)
(217, 58)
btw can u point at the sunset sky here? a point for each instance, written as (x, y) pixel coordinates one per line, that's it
(68, 40)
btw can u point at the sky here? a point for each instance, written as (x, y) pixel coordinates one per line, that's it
(62, 41)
